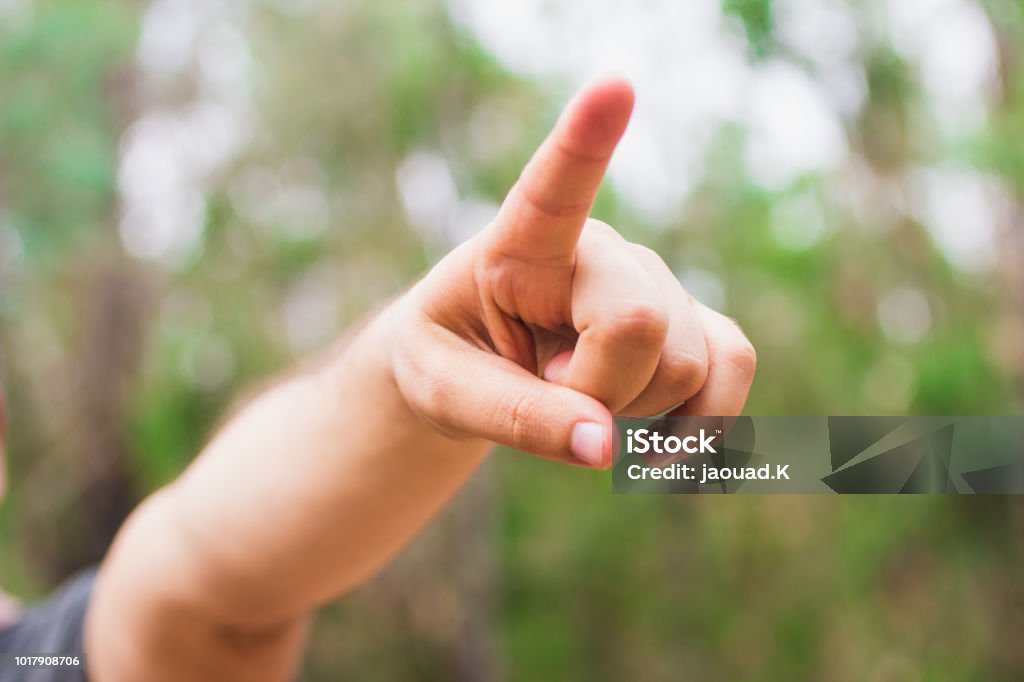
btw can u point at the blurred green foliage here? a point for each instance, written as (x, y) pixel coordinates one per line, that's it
(120, 363)
(758, 22)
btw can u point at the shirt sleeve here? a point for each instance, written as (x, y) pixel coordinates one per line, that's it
(52, 627)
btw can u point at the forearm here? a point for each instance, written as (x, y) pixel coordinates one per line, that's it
(319, 482)
(306, 492)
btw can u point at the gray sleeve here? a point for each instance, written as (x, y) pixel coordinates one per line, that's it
(52, 627)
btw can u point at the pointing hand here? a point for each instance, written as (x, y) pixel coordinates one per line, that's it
(545, 324)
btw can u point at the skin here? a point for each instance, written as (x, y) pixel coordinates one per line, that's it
(532, 334)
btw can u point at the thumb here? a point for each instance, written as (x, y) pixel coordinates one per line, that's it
(487, 396)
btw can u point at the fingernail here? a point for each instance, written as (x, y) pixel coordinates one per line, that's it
(587, 443)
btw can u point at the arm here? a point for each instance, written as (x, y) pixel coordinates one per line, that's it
(532, 334)
(306, 492)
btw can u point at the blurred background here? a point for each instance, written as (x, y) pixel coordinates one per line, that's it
(194, 193)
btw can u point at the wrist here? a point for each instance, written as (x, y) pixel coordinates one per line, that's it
(363, 360)
(369, 363)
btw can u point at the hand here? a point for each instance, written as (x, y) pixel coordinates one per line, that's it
(539, 329)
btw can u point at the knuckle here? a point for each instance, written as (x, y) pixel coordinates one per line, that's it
(515, 416)
(647, 255)
(577, 155)
(427, 393)
(641, 323)
(684, 372)
(743, 357)
(546, 205)
(432, 397)
(597, 232)
(600, 226)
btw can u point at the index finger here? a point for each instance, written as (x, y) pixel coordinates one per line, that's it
(543, 215)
